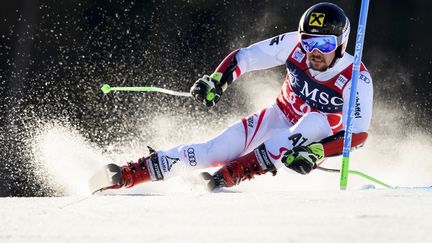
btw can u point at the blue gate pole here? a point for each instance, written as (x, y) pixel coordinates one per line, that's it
(353, 93)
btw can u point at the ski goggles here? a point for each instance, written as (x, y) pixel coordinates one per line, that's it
(323, 43)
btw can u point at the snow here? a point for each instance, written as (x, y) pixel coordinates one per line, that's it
(275, 216)
(285, 208)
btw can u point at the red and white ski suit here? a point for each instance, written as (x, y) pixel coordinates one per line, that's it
(311, 106)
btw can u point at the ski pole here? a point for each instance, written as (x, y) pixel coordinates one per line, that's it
(106, 88)
(361, 174)
(353, 93)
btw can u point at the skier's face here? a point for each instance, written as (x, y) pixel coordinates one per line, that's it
(319, 61)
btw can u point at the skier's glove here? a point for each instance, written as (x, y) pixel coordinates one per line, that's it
(303, 159)
(207, 90)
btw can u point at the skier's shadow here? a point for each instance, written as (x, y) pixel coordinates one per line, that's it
(216, 191)
(131, 195)
(221, 190)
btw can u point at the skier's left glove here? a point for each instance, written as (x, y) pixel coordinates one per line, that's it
(207, 89)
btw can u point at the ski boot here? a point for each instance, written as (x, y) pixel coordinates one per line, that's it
(303, 159)
(113, 176)
(254, 163)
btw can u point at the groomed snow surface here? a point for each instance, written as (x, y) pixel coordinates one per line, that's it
(285, 208)
(276, 216)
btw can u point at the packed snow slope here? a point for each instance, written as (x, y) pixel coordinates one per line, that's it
(275, 216)
(285, 208)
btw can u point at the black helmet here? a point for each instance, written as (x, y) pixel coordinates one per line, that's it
(327, 19)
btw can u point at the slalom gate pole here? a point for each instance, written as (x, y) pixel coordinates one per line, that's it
(361, 174)
(106, 88)
(355, 75)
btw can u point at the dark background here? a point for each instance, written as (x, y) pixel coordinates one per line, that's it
(54, 55)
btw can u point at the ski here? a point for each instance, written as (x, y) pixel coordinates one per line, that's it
(413, 187)
(209, 180)
(106, 178)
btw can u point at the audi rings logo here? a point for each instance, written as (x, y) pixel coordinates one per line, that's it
(191, 156)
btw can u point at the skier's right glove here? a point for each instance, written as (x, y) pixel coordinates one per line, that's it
(303, 159)
(207, 89)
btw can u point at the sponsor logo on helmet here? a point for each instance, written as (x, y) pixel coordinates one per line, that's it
(298, 55)
(341, 81)
(316, 19)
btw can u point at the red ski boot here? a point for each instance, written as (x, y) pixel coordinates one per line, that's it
(254, 163)
(135, 173)
(113, 176)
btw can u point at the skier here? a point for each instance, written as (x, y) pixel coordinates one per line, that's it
(302, 127)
